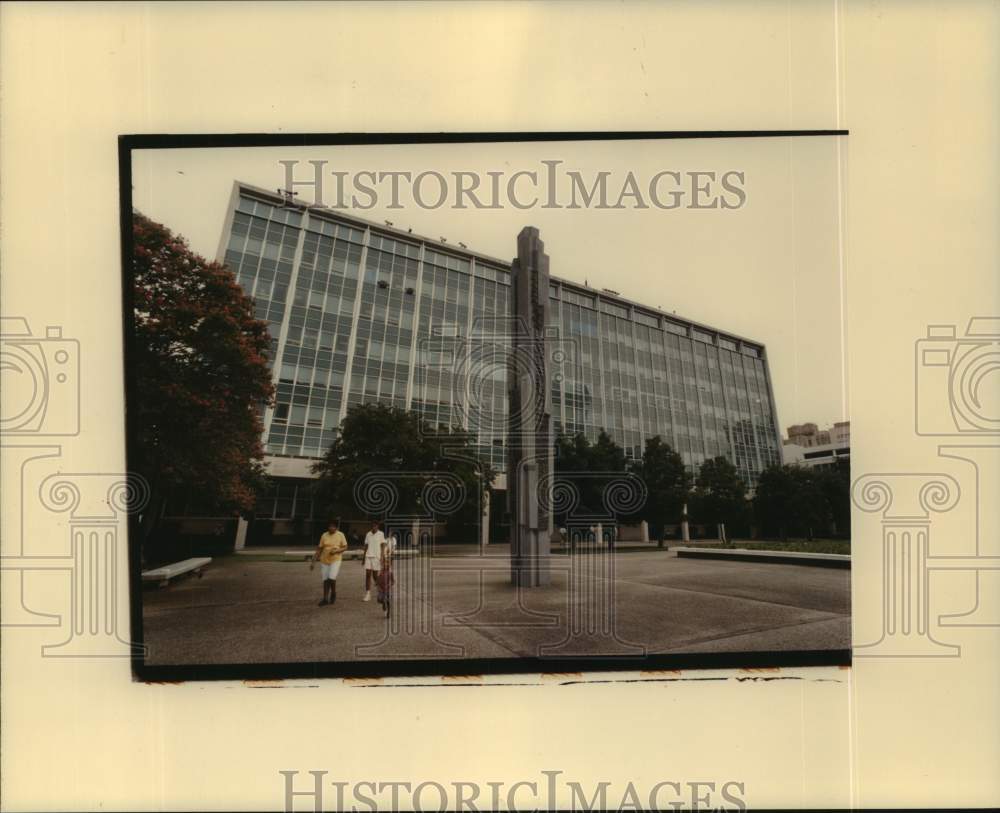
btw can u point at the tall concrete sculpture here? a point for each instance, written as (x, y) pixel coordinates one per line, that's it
(529, 429)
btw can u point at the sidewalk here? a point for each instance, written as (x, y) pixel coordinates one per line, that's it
(253, 610)
(500, 549)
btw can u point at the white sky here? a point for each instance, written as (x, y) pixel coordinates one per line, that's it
(768, 271)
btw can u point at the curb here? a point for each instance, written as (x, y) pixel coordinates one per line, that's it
(778, 557)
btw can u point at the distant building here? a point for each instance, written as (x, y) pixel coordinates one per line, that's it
(808, 445)
(840, 433)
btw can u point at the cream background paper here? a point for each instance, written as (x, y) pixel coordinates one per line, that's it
(916, 83)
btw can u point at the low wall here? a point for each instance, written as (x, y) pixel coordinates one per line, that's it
(780, 557)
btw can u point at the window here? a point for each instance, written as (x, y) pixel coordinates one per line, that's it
(614, 310)
(576, 298)
(446, 261)
(315, 416)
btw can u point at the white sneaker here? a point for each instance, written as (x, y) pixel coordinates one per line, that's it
(368, 595)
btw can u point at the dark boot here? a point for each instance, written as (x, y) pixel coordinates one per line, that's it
(333, 591)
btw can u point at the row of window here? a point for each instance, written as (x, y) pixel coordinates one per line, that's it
(673, 388)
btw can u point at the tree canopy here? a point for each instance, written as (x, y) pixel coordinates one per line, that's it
(586, 469)
(720, 496)
(801, 501)
(386, 462)
(668, 483)
(200, 375)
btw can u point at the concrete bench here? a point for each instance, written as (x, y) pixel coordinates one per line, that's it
(785, 557)
(163, 575)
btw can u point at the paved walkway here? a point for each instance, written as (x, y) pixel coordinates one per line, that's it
(495, 549)
(460, 606)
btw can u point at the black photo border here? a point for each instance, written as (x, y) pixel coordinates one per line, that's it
(397, 668)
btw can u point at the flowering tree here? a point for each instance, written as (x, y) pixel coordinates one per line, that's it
(198, 363)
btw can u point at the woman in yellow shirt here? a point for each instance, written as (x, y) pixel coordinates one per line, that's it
(331, 545)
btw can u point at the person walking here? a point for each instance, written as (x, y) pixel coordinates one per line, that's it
(374, 540)
(328, 552)
(385, 577)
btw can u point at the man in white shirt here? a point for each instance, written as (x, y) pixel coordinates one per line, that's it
(374, 540)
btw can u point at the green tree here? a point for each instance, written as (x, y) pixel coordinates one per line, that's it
(809, 510)
(775, 492)
(606, 455)
(588, 468)
(791, 500)
(835, 483)
(379, 439)
(573, 453)
(668, 483)
(199, 377)
(720, 495)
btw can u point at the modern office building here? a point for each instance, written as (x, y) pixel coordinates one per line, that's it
(354, 307)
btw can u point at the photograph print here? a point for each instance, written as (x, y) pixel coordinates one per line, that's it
(431, 405)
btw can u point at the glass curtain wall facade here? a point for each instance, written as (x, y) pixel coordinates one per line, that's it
(352, 305)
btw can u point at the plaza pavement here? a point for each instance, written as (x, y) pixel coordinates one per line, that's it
(249, 609)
